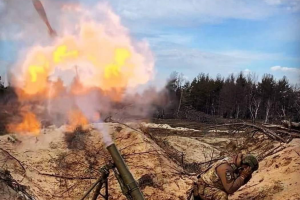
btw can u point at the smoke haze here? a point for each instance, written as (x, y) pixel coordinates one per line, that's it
(82, 74)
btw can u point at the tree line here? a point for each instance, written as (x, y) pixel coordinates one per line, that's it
(236, 97)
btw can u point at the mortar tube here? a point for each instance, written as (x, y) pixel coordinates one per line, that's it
(127, 177)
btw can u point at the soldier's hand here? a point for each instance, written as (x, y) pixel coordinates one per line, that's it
(246, 172)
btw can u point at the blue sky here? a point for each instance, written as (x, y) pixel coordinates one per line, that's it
(209, 36)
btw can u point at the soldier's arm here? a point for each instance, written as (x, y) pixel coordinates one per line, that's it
(225, 173)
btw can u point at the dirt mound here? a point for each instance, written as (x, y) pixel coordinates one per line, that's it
(52, 171)
(277, 177)
(193, 150)
(279, 172)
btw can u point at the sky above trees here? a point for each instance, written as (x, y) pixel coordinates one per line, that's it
(209, 36)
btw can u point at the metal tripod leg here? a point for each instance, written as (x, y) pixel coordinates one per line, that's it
(100, 181)
(98, 189)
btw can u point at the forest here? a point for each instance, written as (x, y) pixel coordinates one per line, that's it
(235, 97)
(240, 96)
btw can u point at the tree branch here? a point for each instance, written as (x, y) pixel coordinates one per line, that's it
(11, 156)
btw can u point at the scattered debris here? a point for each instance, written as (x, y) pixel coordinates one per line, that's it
(171, 159)
(11, 189)
(272, 134)
(67, 173)
(13, 139)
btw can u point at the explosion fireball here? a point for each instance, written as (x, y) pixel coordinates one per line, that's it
(99, 56)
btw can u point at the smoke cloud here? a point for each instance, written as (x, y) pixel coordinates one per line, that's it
(92, 68)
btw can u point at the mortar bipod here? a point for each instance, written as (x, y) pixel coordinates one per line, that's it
(104, 173)
(103, 179)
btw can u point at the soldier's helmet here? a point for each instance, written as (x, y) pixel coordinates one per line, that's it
(251, 161)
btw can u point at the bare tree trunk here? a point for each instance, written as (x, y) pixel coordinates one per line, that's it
(283, 111)
(213, 110)
(268, 111)
(257, 105)
(237, 112)
(179, 81)
(252, 113)
(179, 105)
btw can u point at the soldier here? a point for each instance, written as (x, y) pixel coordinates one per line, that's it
(224, 177)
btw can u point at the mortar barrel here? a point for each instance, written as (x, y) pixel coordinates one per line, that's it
(127, 177)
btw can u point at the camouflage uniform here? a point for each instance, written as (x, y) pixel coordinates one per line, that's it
(209, 185)
(224, 177)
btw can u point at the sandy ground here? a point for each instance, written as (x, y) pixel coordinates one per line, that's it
(38, 155)
(277, 177)
(166, 126)
(194, 150)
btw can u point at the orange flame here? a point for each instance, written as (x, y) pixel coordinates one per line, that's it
(30, 125)
(102, 62)
(61, 53)
(76, 118)
(101, 56)
(37, 74)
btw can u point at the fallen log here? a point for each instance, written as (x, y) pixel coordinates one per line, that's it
(290, 124)
(273, 126)
(268, 132)
(295, 135)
